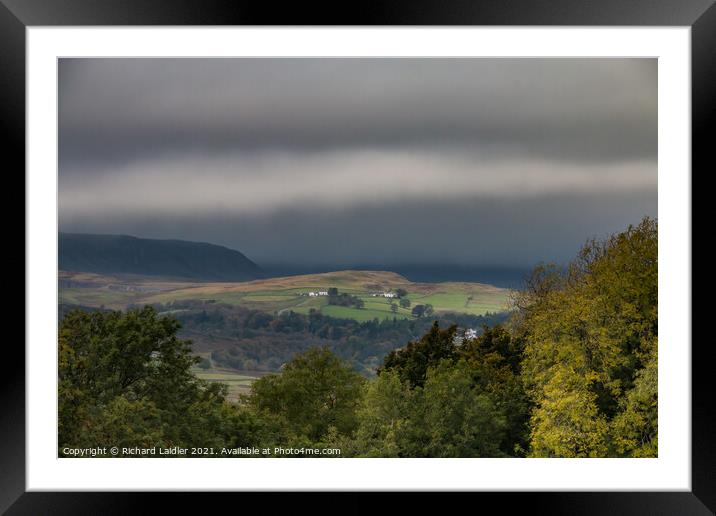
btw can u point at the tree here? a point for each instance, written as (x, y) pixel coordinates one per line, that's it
(332, 291)
(393, 307)
(418, 310)
(404, 302)
(566, 421)
(412, 362)
(590, 334)
(634, 429)
(452, 418)
(494, 360)
(124, 378)
(447, 417)
(384, 416)
(401, 292)
(315, 391)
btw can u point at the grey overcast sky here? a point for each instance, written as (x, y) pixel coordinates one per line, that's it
(477, 162)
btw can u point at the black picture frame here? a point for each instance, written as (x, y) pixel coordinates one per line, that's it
(17, 15)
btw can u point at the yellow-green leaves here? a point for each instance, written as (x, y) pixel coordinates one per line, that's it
(590, 332)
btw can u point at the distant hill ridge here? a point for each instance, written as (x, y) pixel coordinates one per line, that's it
(169, 258)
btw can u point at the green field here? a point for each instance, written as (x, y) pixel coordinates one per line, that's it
(288, 293)
(95, 297)
(236, 382)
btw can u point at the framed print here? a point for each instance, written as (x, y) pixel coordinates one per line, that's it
(419, 250)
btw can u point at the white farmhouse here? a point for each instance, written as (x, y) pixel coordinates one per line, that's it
(384, 294)
(462, 336)
(470, 333)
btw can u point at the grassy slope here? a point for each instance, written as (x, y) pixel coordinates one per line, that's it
(236, 382)
(278, 294)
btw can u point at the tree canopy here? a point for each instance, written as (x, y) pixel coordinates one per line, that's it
(590, 334)
(125, 379)
(316, 391)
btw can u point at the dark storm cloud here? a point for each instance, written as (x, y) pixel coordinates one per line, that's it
(121, 110)
(517, 232)
(479, 161)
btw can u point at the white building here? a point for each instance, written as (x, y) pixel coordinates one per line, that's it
(468, 334)
(385, 294)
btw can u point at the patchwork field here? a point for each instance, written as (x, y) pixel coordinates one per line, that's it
(236, 382)
(287, 293)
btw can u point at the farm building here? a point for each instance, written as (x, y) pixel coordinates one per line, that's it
(470, 333)
(462, 335)
(385, 294)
